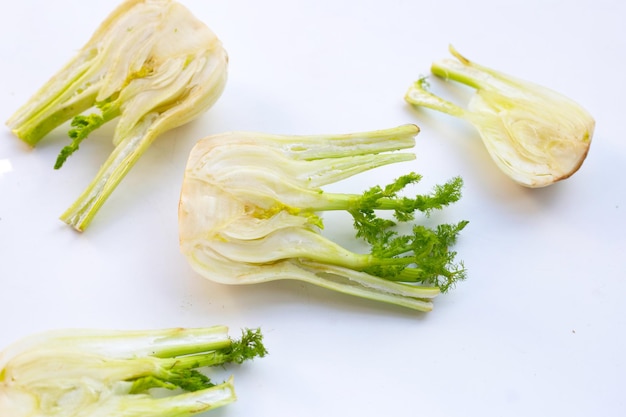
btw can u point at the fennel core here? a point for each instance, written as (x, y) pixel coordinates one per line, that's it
(251, 204)
(152, 66)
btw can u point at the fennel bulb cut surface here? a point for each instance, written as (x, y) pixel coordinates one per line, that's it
(535, 135)
(249, 213)
(152, 66)
(121, 373)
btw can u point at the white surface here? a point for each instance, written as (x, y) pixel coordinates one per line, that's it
(537, 329)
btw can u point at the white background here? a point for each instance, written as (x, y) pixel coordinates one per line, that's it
(538, 328)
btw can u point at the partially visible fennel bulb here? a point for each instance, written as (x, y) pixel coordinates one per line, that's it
(152, 66)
